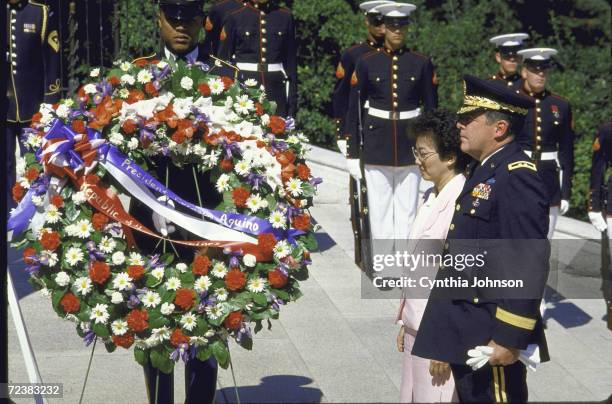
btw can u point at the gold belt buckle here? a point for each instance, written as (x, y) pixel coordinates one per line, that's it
(394, 115)
(262, 67)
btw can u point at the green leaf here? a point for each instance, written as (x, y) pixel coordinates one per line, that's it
(141, 356)
(187, 279)
(246, 343)
(203, 353)
(221, 353)
(100, 330)
(55, 301)
(310, 242)
(160, 359)
(258, 327)
(152, 281)
(167, 258)
(260, 299)
(110, 346)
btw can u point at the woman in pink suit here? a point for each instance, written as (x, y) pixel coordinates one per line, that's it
(441, 161)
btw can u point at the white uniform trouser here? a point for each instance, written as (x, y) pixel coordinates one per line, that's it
(393, 194)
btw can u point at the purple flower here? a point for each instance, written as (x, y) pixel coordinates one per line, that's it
(184, 351)
(244, 331)
(255, 180)
(289, 123)
(89, 338)
(97, 98)
(133, 302)
(34, 267)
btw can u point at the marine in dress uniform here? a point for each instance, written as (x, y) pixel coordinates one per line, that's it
(503, 201)
(375, 40)
(33, 56)
(215, 20)
(506, 56)
(397, 83)
(259, 38)
(182, 17)
(548, 136)
(600, 205)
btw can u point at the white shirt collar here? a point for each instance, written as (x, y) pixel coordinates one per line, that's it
(191, 56)
(489, 156)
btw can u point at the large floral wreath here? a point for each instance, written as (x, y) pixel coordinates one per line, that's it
(88, 152)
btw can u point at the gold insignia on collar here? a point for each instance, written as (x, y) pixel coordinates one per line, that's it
(522, 164)
(54, 41)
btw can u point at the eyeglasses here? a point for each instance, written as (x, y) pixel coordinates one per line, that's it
(421, 157)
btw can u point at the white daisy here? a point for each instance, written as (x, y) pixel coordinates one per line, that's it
(62, 279)
(198, 341)
(116, 298)
(90, 89)
(278, 220)
(167, 309)
(282, 249)
(99, 313)
(136, 259)
(243, 167)
(70, 230)
(127, 79)
(219, 270)
(118, 258)
(256, 285)
(202, 284)
(173, 283)
(265, 119)
(119, 327)
(221, 294)
(222, 184)
(69, 102)
(53, 215)
(107, 245)
(249, 260)
(254, 202)
(125, 66)
(243, 105)
(294, 186)
(50, 257)
(187, 83)
(83, 228)
(214, 312)
(133, 143)
(216, 86)
(79, 197)
(181, 267)
(124, 93)
(73, 256)
(188, 321)
(161, 334)
(151, 299)
(122, 281)
(158, 273)
(144, 76)
(292, 139)
(94, 72)
(250, 82)
(62, 111)
(116, 138)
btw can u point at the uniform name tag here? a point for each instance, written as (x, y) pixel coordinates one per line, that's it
(481, 191)
(29, 28)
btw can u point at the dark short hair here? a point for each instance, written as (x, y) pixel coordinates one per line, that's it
(514, 122)
(441, 126)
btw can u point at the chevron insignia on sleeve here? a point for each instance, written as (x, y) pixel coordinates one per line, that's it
(522, 164)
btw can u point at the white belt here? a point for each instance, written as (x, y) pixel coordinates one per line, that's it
(260, 67)
(553, 155)
(394, 115)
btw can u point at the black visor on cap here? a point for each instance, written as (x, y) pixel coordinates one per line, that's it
(539, 64)
(375, 19)
(396, 21)
(182, 12)
(509, 50)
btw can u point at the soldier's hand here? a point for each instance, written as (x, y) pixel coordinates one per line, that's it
(440, 372)
(400, 339)
(342, 146)
(565, 205)
(502, 356)
(163, 225)
(598, 221)
(354, 168)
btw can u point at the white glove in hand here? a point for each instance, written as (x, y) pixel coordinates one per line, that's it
(342, 146)
(565, 205)
(354, 168)
(163, 225)
(479, 356)
(598, 221)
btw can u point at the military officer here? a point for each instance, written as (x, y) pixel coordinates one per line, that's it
(33, 56)
(214, 22)
(397, 83)
(503, 204)
(259, 38)
(180, 23)
(506, 48)
(600, 204)
(548, 136)
(375, 39)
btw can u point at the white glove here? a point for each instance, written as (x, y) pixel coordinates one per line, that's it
(565, 205)
(598, 221)
(342, 146)
(479, 356)
(354, 168)
(163, 225)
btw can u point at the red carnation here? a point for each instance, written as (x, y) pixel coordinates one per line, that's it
(177, 338)
(235, 280)
(227, 165)
(78, 126)
(57, 201)
(138, 320)
(135, 271)
(259, 110)
(150, 88)
(227, 82)
(233, 321)
(204, 89)
(277, 125)
(17, 191)
(50, 240)
(285, 158)
(240, 196)
(29, 254)
(124, 341)
(277, 279)
(114, 81)
(99, 220)
(36, 117)
(134, 96)
(303, 172)
(266, 243)
(201, 264)
(129, 127)
(99, 272)
(31, 174)
(70, 303)
(301, 222)
(185, 298)
(179, 136)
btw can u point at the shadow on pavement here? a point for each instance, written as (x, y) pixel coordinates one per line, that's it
(565, 313)
(280, 388)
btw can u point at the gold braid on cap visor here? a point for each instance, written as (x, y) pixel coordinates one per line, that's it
(472, 102)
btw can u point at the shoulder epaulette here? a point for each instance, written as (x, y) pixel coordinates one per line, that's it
(370, 54)
(522, 164)
(559, 97)
(236, 11)
(285, 9)
(422, 55)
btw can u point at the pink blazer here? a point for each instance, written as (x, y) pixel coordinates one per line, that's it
(431, 223)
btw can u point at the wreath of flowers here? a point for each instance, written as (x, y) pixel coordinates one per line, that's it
(82, 257)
